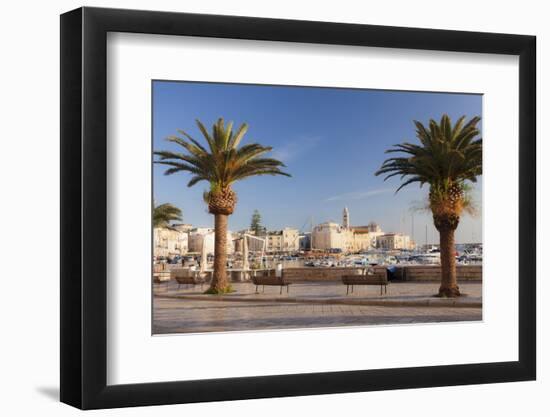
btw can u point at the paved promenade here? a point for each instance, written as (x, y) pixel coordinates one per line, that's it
(401, 294)
(307, 306)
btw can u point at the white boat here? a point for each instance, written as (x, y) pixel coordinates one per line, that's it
(426, 258)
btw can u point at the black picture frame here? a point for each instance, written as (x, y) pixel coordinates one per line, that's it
(84, 207)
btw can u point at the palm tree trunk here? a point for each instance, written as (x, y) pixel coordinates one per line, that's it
(449, 287)
(219, 278)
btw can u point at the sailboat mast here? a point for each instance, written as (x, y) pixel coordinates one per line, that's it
(412, 227)
(311, 234)
(426, 234)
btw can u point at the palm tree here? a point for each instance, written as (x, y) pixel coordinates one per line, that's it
(220, 163)
(446, 158)
(164, 214)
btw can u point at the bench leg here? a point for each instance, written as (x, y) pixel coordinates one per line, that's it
(257, 290)
(352, 289)
(347, 289)
(287, 288)
(385, 289)
(281, 290)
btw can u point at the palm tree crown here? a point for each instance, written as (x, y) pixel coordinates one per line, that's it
(222, 161)
(164, 214)
(446, 157)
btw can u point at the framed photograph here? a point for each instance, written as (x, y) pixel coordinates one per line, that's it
(260, 208)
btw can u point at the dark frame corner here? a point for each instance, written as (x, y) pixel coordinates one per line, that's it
(83, 207)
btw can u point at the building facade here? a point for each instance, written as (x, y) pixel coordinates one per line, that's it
(372, 227)
(169, 242)
(286, 240)
(393, 241)
(332, 236)
(347, 238)
(255, 243)
(182, 227)
(362, 240)
(365, 236)
(205, 235)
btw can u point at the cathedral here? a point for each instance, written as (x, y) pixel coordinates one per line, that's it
(344, 237)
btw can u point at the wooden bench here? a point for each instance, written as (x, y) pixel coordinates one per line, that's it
(273, 280)
(191, 280)
(187, 277)
(369, 276)
(161, 276)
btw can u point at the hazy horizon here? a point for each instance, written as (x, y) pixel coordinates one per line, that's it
(332, 141)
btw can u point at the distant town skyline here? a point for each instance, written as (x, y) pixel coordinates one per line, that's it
(332, 141)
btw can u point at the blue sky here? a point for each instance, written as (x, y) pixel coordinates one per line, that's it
(332, 141)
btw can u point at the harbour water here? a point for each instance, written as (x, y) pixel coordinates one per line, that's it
(465, 255)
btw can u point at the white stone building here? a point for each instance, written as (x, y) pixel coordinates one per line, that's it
(255, 243)
(347, 238)
(182, 227)
(206, 234)
(169, 242)
(365, 236)
(286, 240)
(362, 239)
(330, 236)
(372, 227)
(392, 241)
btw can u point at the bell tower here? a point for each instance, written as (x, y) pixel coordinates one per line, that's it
(345, 218)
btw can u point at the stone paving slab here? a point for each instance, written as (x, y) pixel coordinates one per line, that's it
(173, 315)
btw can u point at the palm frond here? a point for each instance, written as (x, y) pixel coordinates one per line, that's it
(447, 154)
(222, 161)
(165, 213)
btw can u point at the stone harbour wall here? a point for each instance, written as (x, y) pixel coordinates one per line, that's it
(405, 273)
(433, 273)
(319, 274)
